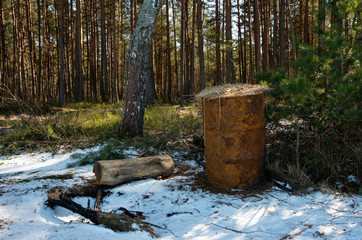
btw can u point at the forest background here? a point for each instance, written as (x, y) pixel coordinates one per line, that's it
(308, 52)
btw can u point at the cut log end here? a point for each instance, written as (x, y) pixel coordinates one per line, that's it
(114, 172)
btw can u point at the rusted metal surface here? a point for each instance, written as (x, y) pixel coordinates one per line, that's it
(234, 132)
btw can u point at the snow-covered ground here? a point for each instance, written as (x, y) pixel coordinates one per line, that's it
(183, 212)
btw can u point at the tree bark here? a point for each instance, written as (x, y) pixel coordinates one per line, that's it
(192, 60)
(61, 55)
(321, 20)
(114, 172)
(139, 71)
(218, 80)
(265, 36)
(182, 52)
(251, 76)
(168, 54)
(78, 53)
(40, 52)
(230, 71)
(104, 78)
(175, 45)
(115, 52)
(257, 34)
(282, 35)
(187, 53)
(275, 35)
(3, 46)
(200, 41)
(292, 37)
(30, 43)
(306, 22)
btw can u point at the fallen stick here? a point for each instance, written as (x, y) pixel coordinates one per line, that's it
(117, 222)
(114, 172)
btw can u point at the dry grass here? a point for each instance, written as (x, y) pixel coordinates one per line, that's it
(230, 90)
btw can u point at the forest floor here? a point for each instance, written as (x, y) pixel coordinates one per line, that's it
(181, 205)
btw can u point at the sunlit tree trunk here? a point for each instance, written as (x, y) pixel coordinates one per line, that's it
(138, 69)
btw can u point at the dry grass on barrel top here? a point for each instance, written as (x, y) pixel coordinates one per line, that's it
(230, 90)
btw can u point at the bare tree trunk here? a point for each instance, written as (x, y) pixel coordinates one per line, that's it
(30, 43)
(251, 76)
(115, 52)
(218, 80)
(257, 35)
(174, 43)
(282, 35)
(68, 66)
(275, 35)
(292, 37)
(192, 60)
(168, 54)
(3, 72)
(306, 22)
(187, 53)
(240, 44)
(230, 71)
(40, 51)
(200, 41)
(321, 19)
(78, 53)
(301, 18)
(265, 36)
(182, 52)
(104, 78)
(245, 44)
(61, 55)
(138, 69)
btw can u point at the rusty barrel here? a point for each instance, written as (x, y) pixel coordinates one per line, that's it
(234, 132)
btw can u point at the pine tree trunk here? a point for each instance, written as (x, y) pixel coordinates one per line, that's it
(182, 52)
(168, 54)
(3, 72)
(257, 35)
(61, 55)
(68, 65)
(200, 41)
(104, 78)
(292, 37)
(30, 43)
(175, 46)
(187, 53)
(306, 22)
(275, 35)
(251, 76)
(230, 71)
(218, 80)
(40, 52)
(192, 59)
(282, 35)
(138, 69)
(245, 44)
(78, 54)
(265, 36)
(115, 52)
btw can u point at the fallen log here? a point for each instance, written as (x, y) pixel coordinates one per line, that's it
(114, 172)
(117, 222)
